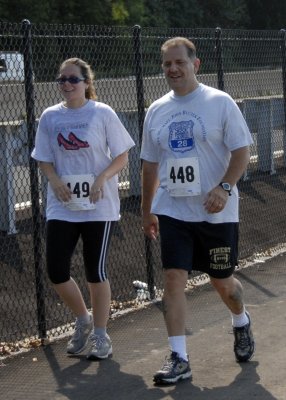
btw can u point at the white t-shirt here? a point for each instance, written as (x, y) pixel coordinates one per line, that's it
(78, 142)
(191, 137)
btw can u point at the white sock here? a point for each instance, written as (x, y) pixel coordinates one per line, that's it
(239, 320)
(178, 345)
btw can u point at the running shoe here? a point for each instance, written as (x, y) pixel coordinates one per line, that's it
(79, 339)
(173, 370)
(244, 344)
(100, 347)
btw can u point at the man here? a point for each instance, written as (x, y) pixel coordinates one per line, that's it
(195, 148)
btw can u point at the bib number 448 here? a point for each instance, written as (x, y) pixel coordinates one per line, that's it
(183, 177)
(183, 174)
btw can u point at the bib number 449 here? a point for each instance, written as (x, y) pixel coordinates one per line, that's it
(80, 189)
(80, 186)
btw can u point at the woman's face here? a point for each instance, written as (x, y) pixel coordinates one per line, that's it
(73, 92)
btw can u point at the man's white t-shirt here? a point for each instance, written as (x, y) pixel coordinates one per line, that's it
(191, 137)
(81, 142)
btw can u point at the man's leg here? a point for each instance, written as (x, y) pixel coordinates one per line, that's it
(231, 292)
(174, 301)
(174, 309)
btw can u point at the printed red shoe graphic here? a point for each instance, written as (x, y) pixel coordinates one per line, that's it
(68, 145)
(80, 143)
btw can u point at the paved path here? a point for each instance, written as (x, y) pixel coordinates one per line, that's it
(140, 345)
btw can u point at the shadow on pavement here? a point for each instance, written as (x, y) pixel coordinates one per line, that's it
(140, 345)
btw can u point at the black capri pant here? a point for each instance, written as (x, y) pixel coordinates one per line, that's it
(62, 238)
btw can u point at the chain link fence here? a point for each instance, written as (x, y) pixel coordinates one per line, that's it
(249, 65)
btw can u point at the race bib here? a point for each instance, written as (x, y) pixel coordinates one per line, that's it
(80, 186)
(183, 177)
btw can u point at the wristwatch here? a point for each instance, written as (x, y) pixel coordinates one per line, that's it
(226, 186)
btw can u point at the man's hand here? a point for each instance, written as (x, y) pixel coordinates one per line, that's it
(150, 226)
(216, 200)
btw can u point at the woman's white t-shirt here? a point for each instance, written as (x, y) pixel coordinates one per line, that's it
(79, 142)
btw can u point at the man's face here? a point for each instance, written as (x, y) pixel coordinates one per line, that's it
(180, 70)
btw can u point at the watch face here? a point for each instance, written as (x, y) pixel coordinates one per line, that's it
(226, 186)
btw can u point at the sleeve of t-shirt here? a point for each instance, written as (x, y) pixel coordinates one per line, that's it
(149, 150)
(42, 149)
(118, 139)
(236, 131)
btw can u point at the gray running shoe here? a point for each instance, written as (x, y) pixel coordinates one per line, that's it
(100, 347)
(244, 344)
(80, 337)
(173, 370)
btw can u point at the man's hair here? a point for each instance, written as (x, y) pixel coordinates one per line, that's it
(179, 41)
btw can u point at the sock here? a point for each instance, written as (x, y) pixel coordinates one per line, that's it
(84, 319)
(100, 331)
(239, 320)
(178, 345)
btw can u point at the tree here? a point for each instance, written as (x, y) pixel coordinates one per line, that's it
(184, 14)
(17, 10)
(227, 14)
(232, 14)
(155, 13)
(196, 14)
(84, 12)
(266, 15)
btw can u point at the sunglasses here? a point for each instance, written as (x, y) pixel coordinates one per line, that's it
(74, 80)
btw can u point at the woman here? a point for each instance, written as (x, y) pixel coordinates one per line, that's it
(81, 146)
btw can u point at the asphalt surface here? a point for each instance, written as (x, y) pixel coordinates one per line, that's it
(140, 346)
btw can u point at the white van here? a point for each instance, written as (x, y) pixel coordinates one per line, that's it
(11, 67)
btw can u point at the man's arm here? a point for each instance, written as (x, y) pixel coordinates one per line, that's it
(237, 165)
(150, 184)
(218, 197)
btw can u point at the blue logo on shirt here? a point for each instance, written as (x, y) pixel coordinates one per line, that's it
(181, 136)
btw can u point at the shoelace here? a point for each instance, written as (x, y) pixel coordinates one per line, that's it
(77, 331)
(242, 339)
(170, 362)
(97, 340)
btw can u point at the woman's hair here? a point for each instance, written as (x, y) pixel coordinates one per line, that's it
(86, 72)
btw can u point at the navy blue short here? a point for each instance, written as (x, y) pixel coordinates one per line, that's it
(200, 246)
(62, 237)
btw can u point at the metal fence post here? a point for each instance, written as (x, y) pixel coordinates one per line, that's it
(218, 49)
(283, 59)
(34, 180)
(138, 60)
(137, 47)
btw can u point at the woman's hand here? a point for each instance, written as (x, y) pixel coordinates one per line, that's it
(97, 189)
(62, 192)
